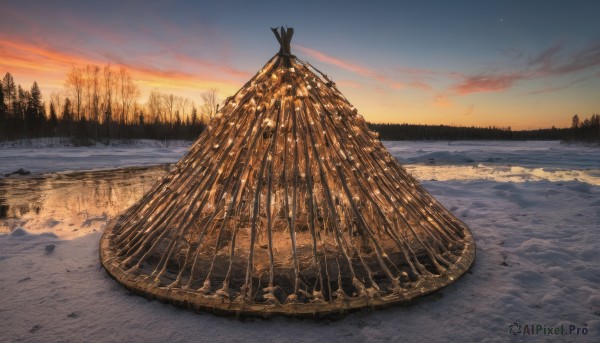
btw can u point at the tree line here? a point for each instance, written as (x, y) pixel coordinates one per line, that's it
(99, 104)
(103, 103)
(391, 131)
(587, 130)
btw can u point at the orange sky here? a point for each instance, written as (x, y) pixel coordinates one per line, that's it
(28, 63)
(502, 65)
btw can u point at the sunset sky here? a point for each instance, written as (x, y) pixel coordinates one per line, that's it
(527, 64)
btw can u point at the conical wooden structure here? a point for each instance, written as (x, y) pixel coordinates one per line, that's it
(286, 204)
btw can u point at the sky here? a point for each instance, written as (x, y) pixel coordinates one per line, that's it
(525, 64)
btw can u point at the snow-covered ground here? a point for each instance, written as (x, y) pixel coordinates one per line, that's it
(48, 156)
(533, 207)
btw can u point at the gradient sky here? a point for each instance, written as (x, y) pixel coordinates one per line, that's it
(527, 64)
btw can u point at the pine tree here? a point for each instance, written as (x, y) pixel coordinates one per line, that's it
(194, 116)
(67, 115)
(34, 116)
(20, 111)
(36, 98)
(53, 118)
(10, 92)
(3, 121)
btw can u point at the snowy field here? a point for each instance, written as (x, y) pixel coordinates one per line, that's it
(533, 208)
(48, 156)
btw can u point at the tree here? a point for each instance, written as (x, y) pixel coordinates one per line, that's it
(182, 105)
(194, 116)
(155, 106)
(67, 118)
(53, 118)
(35, 100)
(177, 119)
(575, 122)
(33, 112)
(21, 109)
(94, 84)
(10, 92)
(169, 103)
(67, 115)
(209, 103)
(128, 93)
(75, 85)
(3, 121)
(37, 108)
(108, 88)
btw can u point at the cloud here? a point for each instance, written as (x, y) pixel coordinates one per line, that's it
(487, 83)
(548, 63)
(38, 54)
(581, 60)
(49, 65)
(349, 66)
(552, 88)
(546, 57)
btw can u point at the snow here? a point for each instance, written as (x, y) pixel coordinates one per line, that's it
(533, 208)
(47, 157)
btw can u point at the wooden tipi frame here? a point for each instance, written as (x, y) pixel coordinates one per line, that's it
(286, 204)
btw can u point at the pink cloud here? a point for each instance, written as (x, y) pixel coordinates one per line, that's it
(50, 66)
(547, 63)
(355, 68)
(349, 66)
(487, 83)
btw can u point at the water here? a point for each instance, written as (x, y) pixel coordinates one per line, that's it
(72, 204)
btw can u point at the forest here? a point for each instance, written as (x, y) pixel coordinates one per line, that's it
(102, 103)
(586, 130)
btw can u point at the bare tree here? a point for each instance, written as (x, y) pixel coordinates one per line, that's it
(169, 103)
(155, 106)
(182, 104)
(87, 91)
(95, 85)
(75, 86)
(108, 93)
(10, 92)
(56, 101)
(209, 104)
(128, 93)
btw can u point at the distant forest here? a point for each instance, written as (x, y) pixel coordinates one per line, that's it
(586, 130)
(100, 104)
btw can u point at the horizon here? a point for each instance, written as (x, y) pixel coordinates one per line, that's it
(524, 65)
